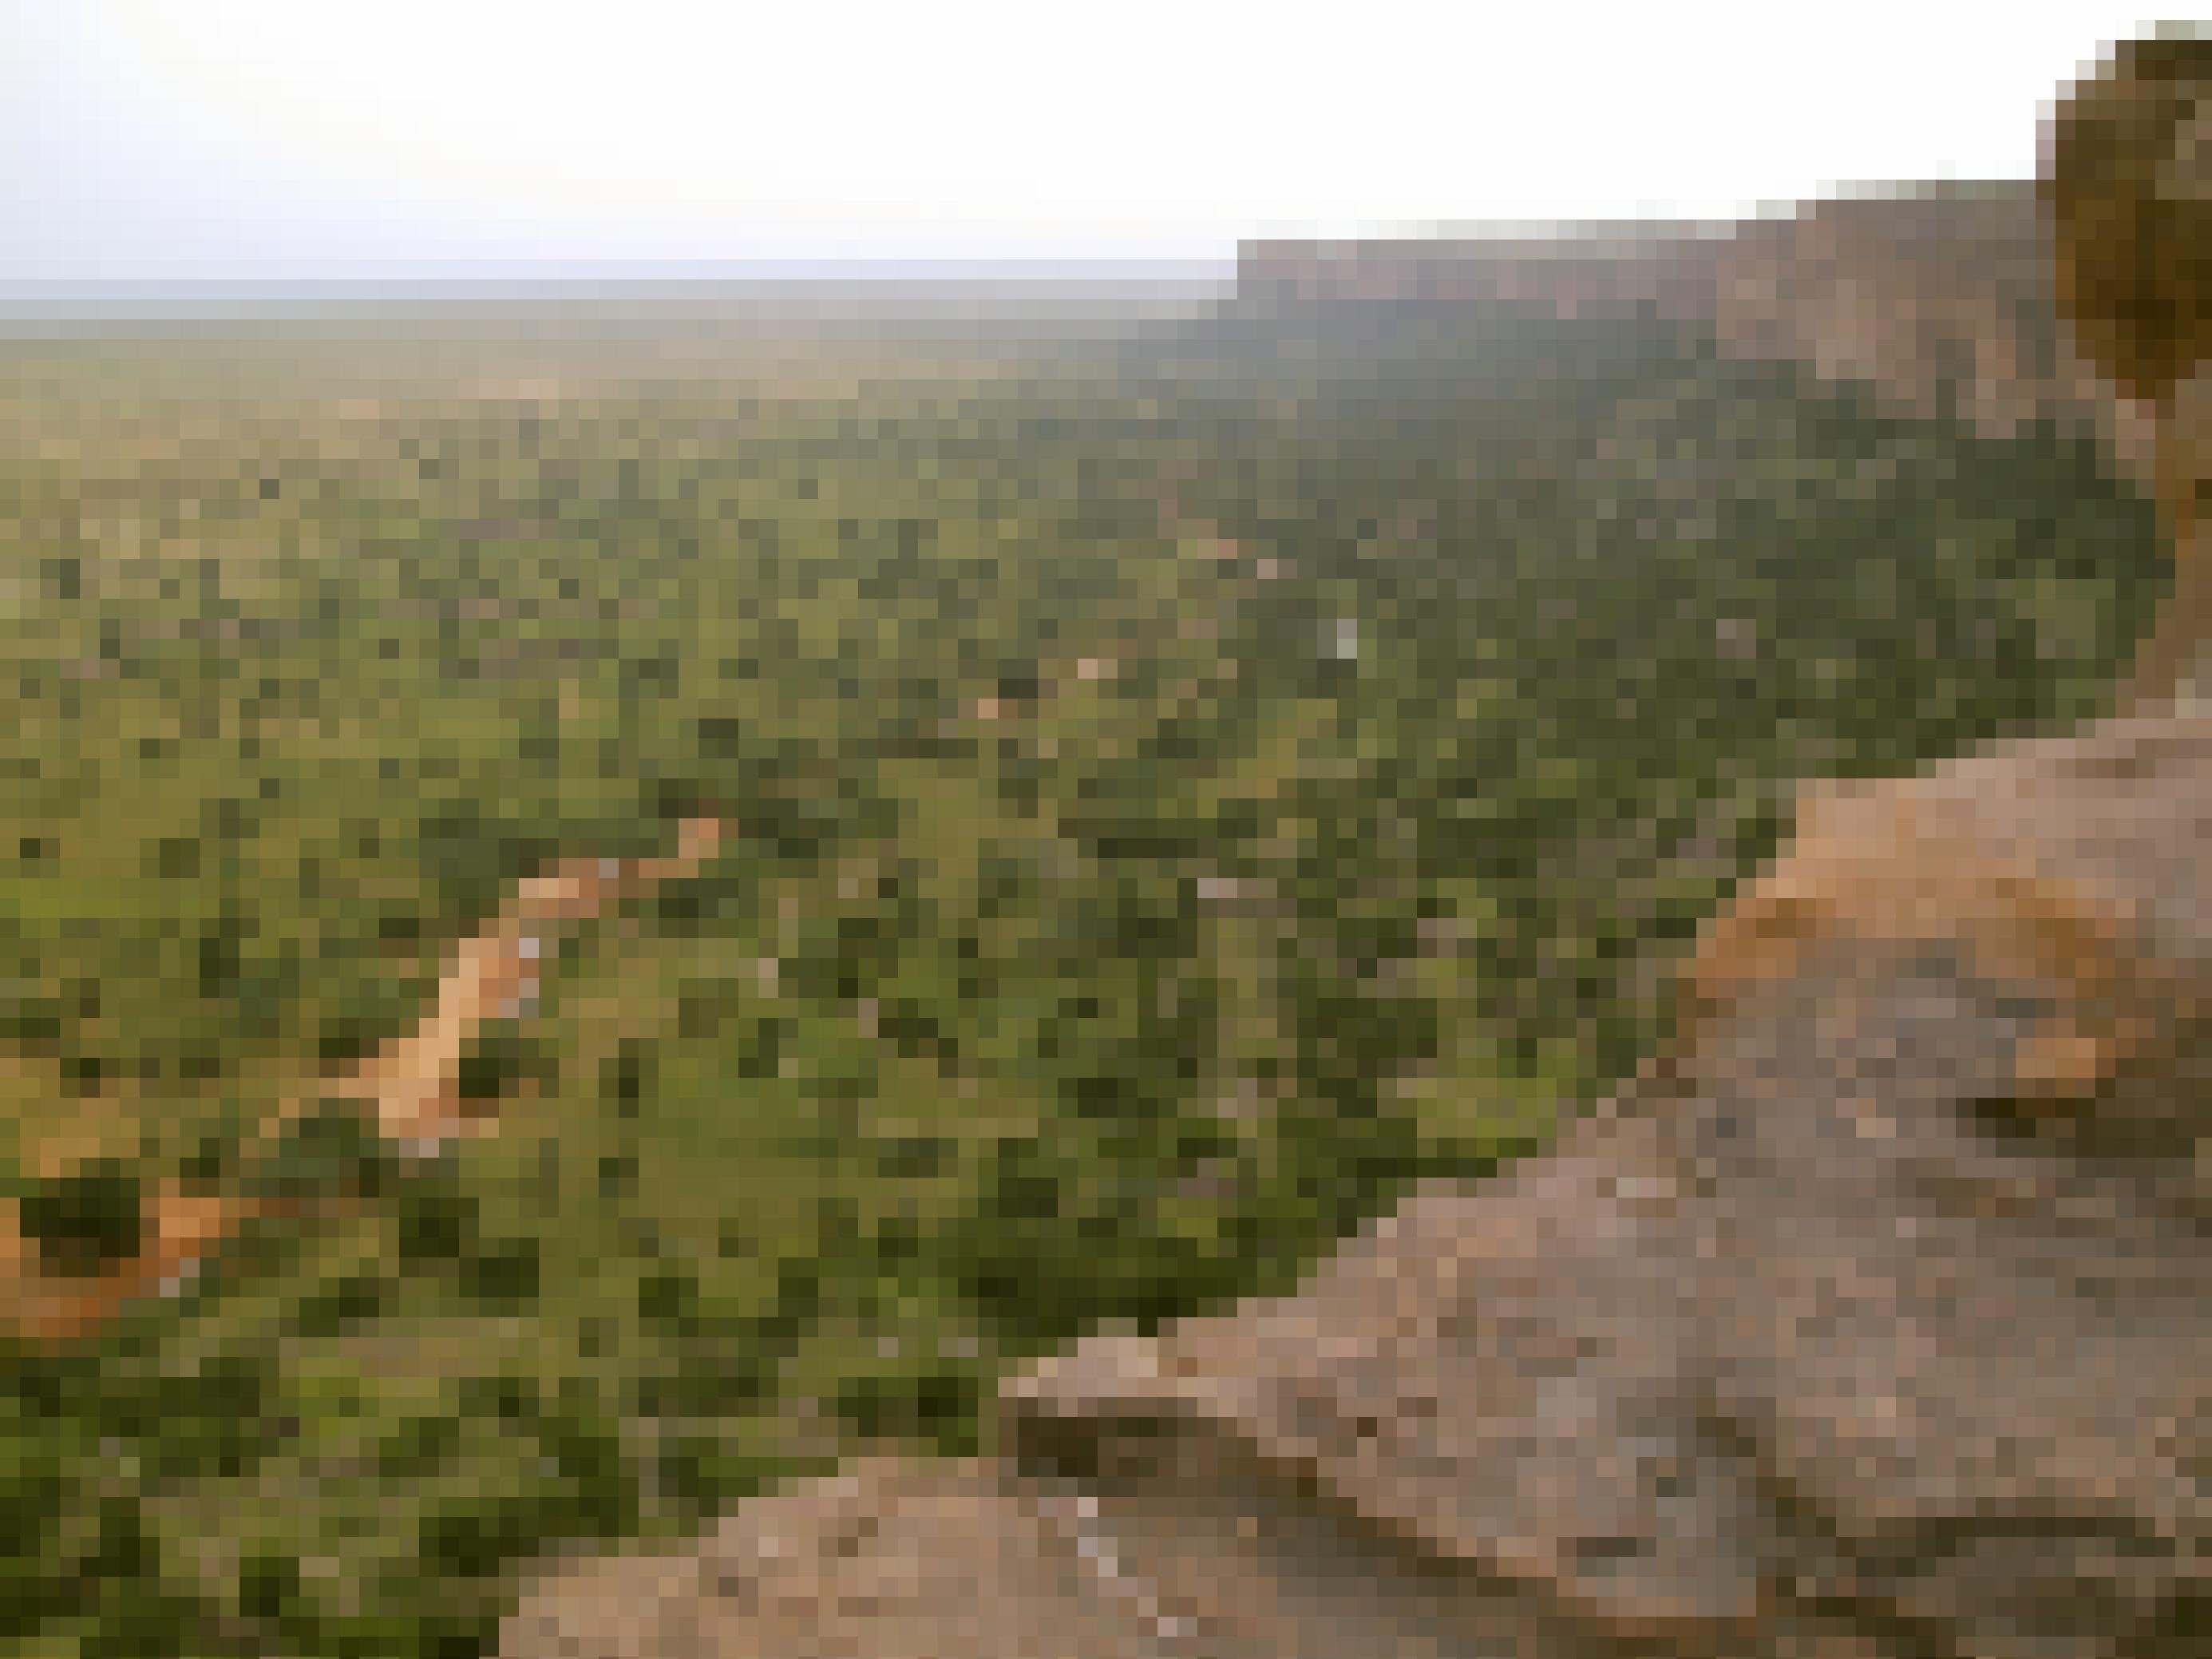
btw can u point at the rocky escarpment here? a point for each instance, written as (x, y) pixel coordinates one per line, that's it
(1940, 298)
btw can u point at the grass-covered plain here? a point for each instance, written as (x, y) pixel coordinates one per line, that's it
(1195, 778)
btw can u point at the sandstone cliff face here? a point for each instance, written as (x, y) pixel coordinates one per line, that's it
(1942, 301)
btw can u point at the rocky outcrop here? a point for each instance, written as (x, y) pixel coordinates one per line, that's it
(1869, 1322)
(1858, 1327)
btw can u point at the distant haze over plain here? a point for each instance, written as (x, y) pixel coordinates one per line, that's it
(150, 141)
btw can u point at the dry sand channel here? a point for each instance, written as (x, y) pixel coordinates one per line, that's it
(412, 1085)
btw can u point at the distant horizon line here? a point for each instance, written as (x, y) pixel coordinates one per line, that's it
(378, 276)
(570, 272)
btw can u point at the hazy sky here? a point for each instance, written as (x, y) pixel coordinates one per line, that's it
(159, 138)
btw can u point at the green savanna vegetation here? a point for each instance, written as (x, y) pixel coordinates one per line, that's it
(1196, 777)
